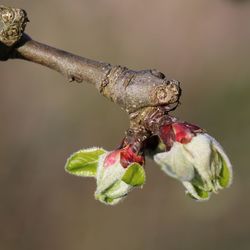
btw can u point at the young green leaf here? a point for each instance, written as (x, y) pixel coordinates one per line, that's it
(84, 162)
(134, 175)
(225, 175)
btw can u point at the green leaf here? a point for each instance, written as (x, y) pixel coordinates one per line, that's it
(225, 174)
(198, 181)
(134, 175)
(84, 162)
(201, 193)
(196, 192)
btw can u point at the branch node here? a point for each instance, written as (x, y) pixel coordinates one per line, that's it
(111, 76)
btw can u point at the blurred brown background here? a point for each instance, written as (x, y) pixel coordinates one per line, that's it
(204, 44)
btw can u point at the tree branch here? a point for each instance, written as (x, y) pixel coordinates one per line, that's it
(147, 95)
(75, 68)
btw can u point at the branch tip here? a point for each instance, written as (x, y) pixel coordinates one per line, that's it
(12, 24)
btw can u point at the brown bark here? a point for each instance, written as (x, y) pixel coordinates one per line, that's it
(147, 95)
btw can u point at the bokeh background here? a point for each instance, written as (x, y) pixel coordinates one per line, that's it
(204, 44)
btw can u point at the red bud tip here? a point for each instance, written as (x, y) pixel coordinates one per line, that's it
(127, 156)
(177, 131)
(111, 158)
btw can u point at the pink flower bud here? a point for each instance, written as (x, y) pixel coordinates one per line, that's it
(195, 158)
(118, 172)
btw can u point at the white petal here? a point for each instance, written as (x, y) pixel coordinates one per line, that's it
(106, 177)
(200, 155)
(176, 163)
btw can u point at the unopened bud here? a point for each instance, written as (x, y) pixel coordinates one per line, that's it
(118, 173)
(196, 159)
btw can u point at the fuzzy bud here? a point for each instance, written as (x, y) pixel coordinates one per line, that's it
(195, 158)
(118, 172)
